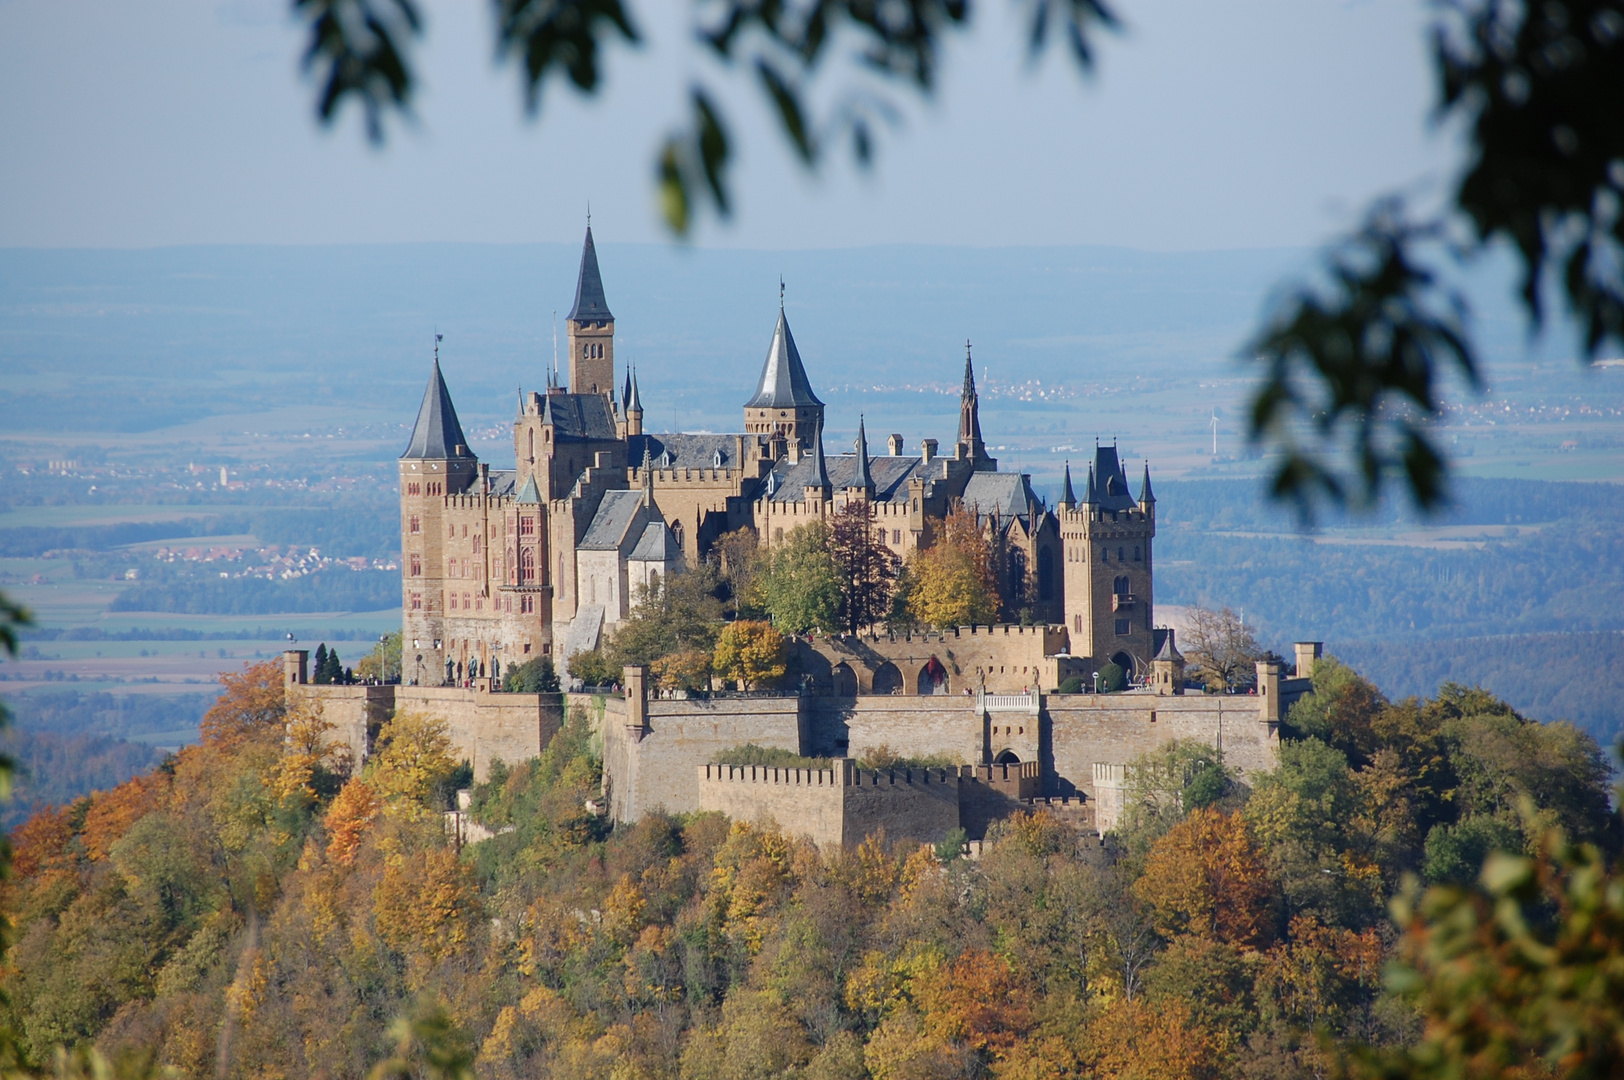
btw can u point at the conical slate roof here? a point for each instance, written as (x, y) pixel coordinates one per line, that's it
(530, 493)
(1068, 499)
(437, 433)
(1145, 494)
(590, 305)
(783, 382)
(862, 478)
(820, 469)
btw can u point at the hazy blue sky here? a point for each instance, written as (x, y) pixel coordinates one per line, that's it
(1210, 125)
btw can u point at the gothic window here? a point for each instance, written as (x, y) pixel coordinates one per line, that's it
(453, 572)
(476, 545)
(1121, 586)
(479, 603)
(676, 532)
(530, 439)
(465, 602)
(416, 524)
(1136, 553)
(717, 459)
(1077, 623)
(527, 526)
(417, 601)
(507, 604)
(527, 566)
(417, 565)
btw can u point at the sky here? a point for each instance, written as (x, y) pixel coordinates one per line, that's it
(1207, 126)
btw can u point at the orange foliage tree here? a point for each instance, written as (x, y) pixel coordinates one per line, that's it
(252, 706)
(1207, 876)
(354, 808)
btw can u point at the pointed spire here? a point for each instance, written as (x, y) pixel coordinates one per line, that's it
(820, 469)
(969, 373)
(552, 376)
(547, 410)
(636, 403)
(783, 384)
(529, 494)
(1068, 499)
(521, 400)
(1091, 495)
(970, 413)
(437, 433)
(861, 478)
(590, 305)
(626, 391)
(1145, 494)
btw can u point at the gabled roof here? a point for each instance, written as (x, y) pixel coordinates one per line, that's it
(783, 383)
(1007, 494)
(1110, 483)
(658, 544)
(437, 433)
(615, 516)
(503, 481)
(578, 417)
(889, 475)
(686, 451)
(590, 305)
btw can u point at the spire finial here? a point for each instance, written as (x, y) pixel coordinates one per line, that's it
(780, 292)
(437, 339)
(589, 213)
(555, 349)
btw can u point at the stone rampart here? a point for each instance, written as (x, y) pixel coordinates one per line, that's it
(836, 807)
(651, 761)
(356, 713)
(1005, 658)
(484, 726)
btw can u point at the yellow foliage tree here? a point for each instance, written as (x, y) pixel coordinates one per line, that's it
(951, 583)
(305, 749)
(751, 652)
(414, 754)
(426, 904)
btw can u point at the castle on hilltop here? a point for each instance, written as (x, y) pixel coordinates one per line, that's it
(501, 566)
(545, 559)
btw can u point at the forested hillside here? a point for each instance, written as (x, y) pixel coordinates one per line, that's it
(250, 910)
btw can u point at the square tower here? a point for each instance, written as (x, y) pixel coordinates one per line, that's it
(591, 329)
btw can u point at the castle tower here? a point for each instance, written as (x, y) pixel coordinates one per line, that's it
(970, 445)
(1107, 542)
(634, 410)
(862, 482)
(1068, 498)
(784, 403)
(591, 329)
(437, 464)
(819, 490)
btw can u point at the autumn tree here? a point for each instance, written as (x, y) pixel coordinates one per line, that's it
(675, 613)
(953, 582)
(413, 758)
(741, 559)
(1220, 648)
(798, 583)
(253, 706)
(1207, 877)
(751, 652)
(865, 569)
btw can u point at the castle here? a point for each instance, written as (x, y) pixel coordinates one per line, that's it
(501, 566)
(545, 559)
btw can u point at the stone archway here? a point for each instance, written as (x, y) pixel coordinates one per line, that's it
(845, 680)
(1125, 662)
(933, 678)
(1007, 757)
(887, 679)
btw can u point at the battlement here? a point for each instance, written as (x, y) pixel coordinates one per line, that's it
(844, 774)
(839, 806)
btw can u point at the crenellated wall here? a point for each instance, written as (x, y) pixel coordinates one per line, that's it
(836, 807)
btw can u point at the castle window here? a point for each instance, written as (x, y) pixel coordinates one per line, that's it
(1119, 555)
(527, 566)
(453, 572)
(465, 602)
(417, 601)
(1077, 621)
(465, 532)
(507, 604)
(1105, 554)
(450, 532)
(896, 536)
(1136, 553)
(1122, 586)
(527, 526)
(417, 565)
(476, 545)
(1123, 628)
(416, 524)
(479, 603)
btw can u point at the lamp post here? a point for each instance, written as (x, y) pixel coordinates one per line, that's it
(383, 659)
(1096, 682)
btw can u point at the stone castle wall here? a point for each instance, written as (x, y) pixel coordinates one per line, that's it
(836, 807)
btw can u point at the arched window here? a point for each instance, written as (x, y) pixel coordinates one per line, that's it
(1119, 555)
(530, 436)
(1136, 553)
(1121, 586)
(527, 566)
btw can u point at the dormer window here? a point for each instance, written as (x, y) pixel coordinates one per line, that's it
(665, 460)
(717, 459)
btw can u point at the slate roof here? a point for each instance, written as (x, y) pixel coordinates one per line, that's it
(687, 451)
(1110, 483)
(504, 481)
(590, 305)
(1165, 649)
(614, 517)
(437, 433)
(530, 494)
(1009, 495)
(1068, 498)
(783, 383)
(579, 417)
(657, 545)
(890, 476)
